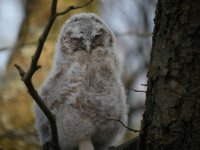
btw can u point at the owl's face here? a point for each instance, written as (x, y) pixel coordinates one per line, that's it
(84, 33)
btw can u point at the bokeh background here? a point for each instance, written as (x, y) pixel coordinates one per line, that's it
(21, 23)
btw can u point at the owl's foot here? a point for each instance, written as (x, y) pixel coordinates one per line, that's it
(86, 144)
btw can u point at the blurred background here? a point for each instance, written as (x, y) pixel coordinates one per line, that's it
(21, 23)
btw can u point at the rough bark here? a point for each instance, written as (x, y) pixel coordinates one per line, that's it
(172, 117)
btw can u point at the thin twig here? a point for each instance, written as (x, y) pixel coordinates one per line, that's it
(122, 124)
(138, 90)
(143, 84)
(26, 77)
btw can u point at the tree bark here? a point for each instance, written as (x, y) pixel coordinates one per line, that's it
(172, 117)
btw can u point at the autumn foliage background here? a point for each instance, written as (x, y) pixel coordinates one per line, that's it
(16, 117)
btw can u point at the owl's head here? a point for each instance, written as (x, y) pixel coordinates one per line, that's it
(85, 32)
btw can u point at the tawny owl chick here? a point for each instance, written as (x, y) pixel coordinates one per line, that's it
(84, 88)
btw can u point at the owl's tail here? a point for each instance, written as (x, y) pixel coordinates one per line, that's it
(86, 144)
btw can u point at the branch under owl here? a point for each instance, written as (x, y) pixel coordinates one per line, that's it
(130, 145)
(26, 76)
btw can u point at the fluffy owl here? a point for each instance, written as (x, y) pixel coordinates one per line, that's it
(84, 89)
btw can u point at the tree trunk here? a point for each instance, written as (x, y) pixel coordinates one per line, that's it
(172, 117)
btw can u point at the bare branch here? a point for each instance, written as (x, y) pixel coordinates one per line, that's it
(20, 69)
(26, 77)
(73, 7)
(122, 124)
(138, 90)
(143, 84)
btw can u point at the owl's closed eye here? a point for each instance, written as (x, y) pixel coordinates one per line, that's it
(99, 39)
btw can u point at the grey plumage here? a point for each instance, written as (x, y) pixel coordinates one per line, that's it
(84, 87)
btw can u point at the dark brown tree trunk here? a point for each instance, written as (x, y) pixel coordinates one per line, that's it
(172, 116)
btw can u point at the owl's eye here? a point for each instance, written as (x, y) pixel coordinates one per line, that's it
(97, 36)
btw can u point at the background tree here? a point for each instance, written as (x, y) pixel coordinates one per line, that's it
(172, 115)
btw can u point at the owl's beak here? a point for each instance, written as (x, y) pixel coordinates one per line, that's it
(87, 43)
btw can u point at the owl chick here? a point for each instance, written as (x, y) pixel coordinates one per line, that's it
(84, 88)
